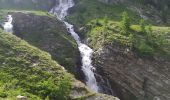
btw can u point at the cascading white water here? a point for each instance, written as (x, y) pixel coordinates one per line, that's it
(60, 10)
(8, 27)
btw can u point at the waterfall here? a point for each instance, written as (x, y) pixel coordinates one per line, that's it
(8, 27)
(60, 10)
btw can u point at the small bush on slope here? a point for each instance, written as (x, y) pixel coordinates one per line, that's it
(125, 24)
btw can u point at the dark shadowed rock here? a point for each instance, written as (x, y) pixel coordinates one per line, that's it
(132, 77)
(48, 34)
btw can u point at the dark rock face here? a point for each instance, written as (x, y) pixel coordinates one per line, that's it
(132, 77)
(48, 34)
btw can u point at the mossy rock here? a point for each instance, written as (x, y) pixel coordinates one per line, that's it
(48, 34)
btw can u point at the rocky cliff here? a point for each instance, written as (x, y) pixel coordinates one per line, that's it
(133, 77)
(48, 34)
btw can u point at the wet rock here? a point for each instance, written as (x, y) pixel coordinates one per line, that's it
(80, 91)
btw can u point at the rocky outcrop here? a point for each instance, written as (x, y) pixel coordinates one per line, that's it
(81, 92)
(48, 34)
(133, 77)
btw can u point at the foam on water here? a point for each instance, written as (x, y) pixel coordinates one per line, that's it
(8, 27)
(60, 10)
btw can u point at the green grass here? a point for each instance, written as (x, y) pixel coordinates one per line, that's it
(86, 10)
(101, 22)
(48, 34)
(37, 12)
(25, 70)
(104, 32)
(26, 5)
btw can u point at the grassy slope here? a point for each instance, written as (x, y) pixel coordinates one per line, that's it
(53, 37)
(25, 70)
(103, 32)
(4, 12)
(87, 10)
(92, 14)
(26, 4)
(40, 7)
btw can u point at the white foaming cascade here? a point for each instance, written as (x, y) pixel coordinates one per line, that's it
(8, 27)
(60, 11)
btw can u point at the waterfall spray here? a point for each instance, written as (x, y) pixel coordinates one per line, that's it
(8, 27)
(86, 52)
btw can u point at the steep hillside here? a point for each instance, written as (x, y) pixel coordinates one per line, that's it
(130, 39)
(133, 61)
(155, 12)
(26, 70)
(136, 62)
(85, 11)
(47, 33)
(27, 4)
(104, 32)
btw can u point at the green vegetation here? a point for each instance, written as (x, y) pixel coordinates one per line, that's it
(142, 26)
(36, 12)
(125, 24)
(4, 12)
(25, 70)
(87, 10)
(2, 16)
(48, 34)
(150, 41)
(26, 4)
(145, 39)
